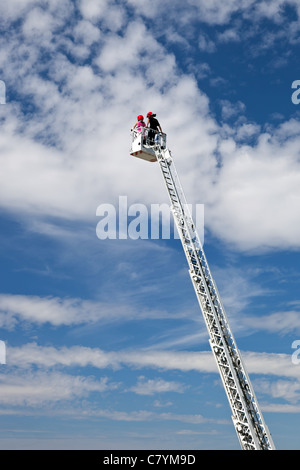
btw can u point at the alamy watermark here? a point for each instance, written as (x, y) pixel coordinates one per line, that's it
(2, 353)
(296, 94)
(138, 221)
(2, 92)
(296, 353)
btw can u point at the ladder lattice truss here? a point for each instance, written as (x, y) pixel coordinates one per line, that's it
(247, 418)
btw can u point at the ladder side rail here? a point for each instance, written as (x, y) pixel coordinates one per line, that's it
(263, 430)
(186, 211)
(198, 251)
(245, 387)
(226, 365)
(179, 222)
(256, 414)
(230, 360)
(162, 156)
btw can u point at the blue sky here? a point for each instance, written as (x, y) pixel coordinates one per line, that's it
(105, 343)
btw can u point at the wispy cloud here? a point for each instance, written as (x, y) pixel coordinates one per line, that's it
(43, 356)
(70, 311)
(272, 364)
(34, 378)
(282, 323)
(33, 389)
(153, 386)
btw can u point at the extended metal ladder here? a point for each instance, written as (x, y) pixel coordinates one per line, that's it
(247, 418)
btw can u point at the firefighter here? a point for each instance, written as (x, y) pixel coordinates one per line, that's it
(140, 123)
(154, 126)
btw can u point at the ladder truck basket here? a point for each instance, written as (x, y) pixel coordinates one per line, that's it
(144, 142)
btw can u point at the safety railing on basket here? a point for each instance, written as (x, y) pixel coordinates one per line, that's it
(149, 137)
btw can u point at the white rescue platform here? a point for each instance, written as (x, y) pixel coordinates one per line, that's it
(142, 147)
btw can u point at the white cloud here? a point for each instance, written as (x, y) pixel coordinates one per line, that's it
(229, 35)
(230, 109)
(38, 25)
(33, 354)
(281, 408)
(287, 389)
(206, 44)
(93, 9)
(271, 364)
(70, 311)
(33, 378)
(238, 289)
(258, 193)
(15, 8)
(79, 112)
(280, 322)
(216, 12)
(40, 387)
(271, 10)
(86, 32)
(153, 386)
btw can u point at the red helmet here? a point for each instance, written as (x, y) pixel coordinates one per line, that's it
(140, 117)
(149, 114)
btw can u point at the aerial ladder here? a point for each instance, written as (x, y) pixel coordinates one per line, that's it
(248, 421)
